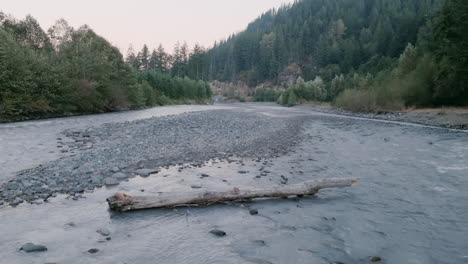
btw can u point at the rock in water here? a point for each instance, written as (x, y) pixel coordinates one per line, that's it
(110, 181)
(93, 250)
(375, 259)
(103, 231)
(218, 232)
(30, 247)
(253, 211)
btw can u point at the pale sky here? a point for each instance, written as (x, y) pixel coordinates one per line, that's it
(147, 21)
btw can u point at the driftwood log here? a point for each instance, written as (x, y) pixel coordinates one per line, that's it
(122, 202)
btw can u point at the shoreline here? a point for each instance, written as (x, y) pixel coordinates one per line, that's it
(450, 118)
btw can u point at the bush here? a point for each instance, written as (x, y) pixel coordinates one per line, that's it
(357, 100)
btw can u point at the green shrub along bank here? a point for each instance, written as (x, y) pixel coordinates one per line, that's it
(67, 71)
(434, 72)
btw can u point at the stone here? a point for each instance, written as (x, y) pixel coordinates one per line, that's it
(375, 259)
(146, 172)
(115, 169)
(253, 211)
(30, 247)
(93, 250)
(110, 181)
(103, 231)
(218, 232)
(119, 175)
(243, 172)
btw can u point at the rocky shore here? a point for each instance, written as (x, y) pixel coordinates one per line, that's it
(115, 152)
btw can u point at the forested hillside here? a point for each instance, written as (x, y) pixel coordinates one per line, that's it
(385, 53)
(73, 71)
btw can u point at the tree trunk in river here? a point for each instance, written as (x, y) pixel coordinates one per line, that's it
(122, 202)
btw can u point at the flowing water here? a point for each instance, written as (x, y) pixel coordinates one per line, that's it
(411, 204)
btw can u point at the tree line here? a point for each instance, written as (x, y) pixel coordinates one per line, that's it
(64, 71)
(361, 54)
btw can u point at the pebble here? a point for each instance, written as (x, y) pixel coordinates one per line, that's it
(30, 247)
(375, 259)
(253, 211)
(218, 232)
(146, 172)
(103, 231)
(110, 181)
(93, 250)
(119, 176)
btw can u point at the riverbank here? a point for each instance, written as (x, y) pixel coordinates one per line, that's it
(452, 118)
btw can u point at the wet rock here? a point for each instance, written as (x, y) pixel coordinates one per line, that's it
(375, 259)
(204, 175)
(146, 172)
(242, 172)
(16, 202)
(110, 181)
(196, 187)
(259, 243)
(253, 212)
(218, 232)
(93, 250)
(284, 179)
(30, 247)
(119, 176)
(103, 231)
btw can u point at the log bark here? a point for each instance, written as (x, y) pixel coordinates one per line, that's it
(122, 202)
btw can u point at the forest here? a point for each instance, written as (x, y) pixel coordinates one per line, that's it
(362, 55)
(67, 71)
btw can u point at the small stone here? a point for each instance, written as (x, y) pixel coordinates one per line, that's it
(110, 181)
(115, 169)
(196, 187)
(375, 259)
(30, 247)
(253, 211)
(243, 172)
(119, 175)
(218, 232)
(260, 242)
(146, 172)
(103, 231)
(93, 250)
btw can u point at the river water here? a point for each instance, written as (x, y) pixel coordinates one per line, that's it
(411, 204)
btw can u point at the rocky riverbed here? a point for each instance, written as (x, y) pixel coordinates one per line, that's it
(115, 152)
(407, 208)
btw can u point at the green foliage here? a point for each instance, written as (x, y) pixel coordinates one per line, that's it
(67, 71)
(266, 95)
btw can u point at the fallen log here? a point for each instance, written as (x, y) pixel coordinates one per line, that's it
(122, 202)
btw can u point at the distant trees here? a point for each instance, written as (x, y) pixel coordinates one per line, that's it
(393, 53)
(72, 71)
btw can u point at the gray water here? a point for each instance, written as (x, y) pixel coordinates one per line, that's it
(411, 204)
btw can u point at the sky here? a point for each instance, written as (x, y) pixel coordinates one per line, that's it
(150, 22)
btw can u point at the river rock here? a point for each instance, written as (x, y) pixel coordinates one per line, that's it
(218, 232)
(103, 231)
(110, 181)
(30, 247)
(146, 172)
(115, 169)
(375, 259)
(253, 211)
(93, 250)
(119, 175)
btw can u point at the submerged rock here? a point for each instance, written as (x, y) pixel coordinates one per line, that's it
(93, 250)
(218, 232)
(30, 247)
(103, 231)
(253, 211)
